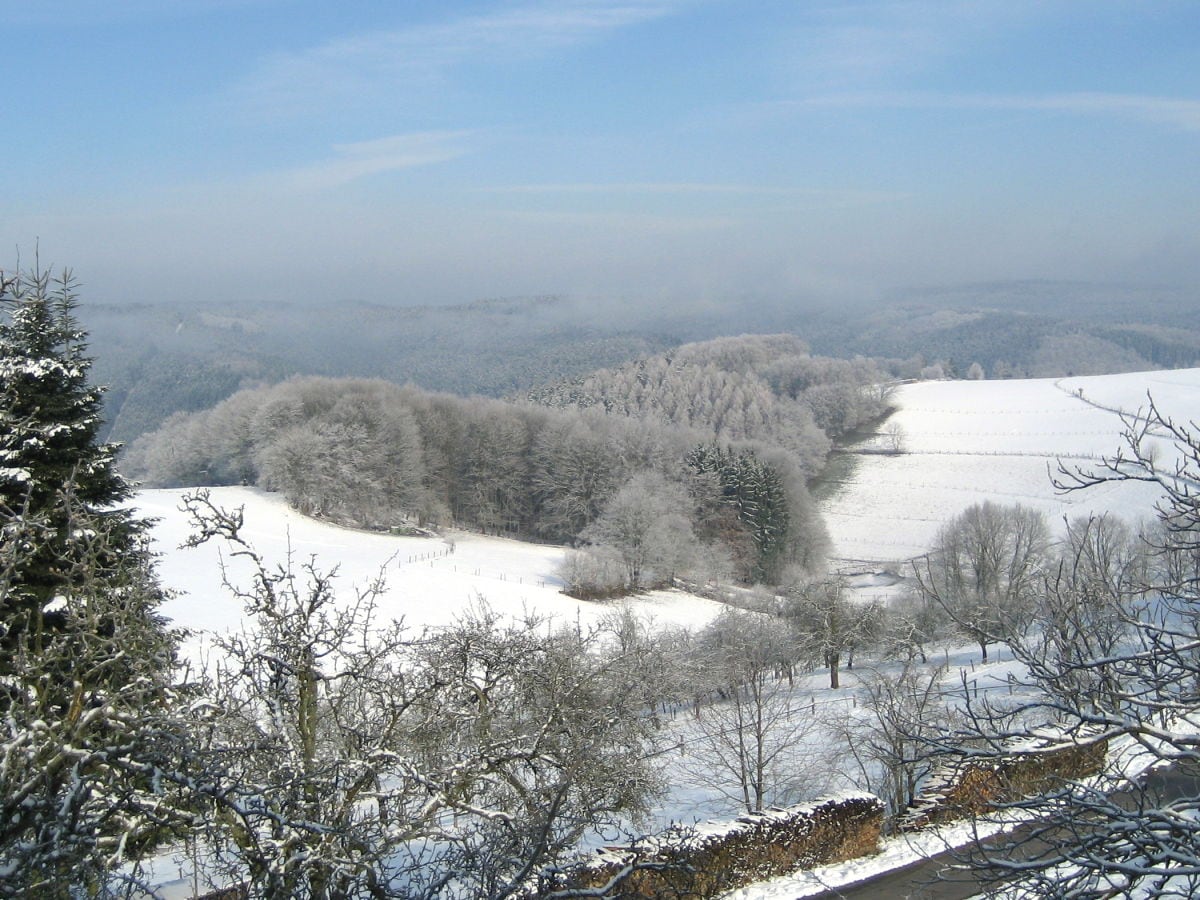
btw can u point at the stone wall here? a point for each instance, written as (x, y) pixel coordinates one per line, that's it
(713, 859)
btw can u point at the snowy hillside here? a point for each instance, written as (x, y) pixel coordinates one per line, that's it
(429, 581)
(963, 442)
(968, 441)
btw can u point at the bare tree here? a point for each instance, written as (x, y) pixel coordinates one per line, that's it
(305, 716)
(751, 744)
(829, 625)
(887, 731)
(347, 758)
(909, 624)
(893, 438)
(1088, 604)
(985, 569)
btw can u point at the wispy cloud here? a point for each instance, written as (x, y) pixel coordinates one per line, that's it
(358, 160)
(863, 41)
(633, 188)
(391, 60)
(1173, 112)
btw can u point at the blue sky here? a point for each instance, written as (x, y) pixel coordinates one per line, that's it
(691, 151)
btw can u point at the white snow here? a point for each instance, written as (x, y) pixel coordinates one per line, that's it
(429, 581)
(1127, 760)
(969, 441)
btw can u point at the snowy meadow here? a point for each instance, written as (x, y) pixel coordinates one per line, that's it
(963, 442)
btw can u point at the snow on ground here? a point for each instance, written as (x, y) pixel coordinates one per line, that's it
(964, 442)
(894, 853)
(430, 581)
(969, 441)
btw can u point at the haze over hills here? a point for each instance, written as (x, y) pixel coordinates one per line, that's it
(160, 359)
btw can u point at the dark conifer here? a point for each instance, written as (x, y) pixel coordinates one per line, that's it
(91, 740)
(49, 423)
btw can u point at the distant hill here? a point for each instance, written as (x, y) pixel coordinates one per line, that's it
(161, 359)
(158, 360)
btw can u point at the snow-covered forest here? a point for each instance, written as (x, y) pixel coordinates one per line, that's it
(721, 440)
(376, 641)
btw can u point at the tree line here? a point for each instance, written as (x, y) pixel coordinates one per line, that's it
(375, 454)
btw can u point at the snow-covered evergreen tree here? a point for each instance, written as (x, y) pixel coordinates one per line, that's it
(49, 422)
(755, 490)
(89, 737)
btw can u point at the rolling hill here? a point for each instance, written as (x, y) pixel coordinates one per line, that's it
(963, 442)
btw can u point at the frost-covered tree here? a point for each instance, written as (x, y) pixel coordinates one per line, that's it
(530, 736)
(493, 469)
(986, 568)
(347, 758)
(646, 525)
(887, 730)
(299, 735)
(829, 625)
(752, 724)
(1085, 607)
(1131, 686)
(909, 624)
(731, 388)
(573, 474)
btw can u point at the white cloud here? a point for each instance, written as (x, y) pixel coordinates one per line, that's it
(861, 42)
(389, 60)
(1179, 113)
(816, 196)
(364, 158)
(635, 188)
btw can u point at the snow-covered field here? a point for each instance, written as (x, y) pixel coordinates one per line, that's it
(968, 441)
(963, 442)
(429, 581)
